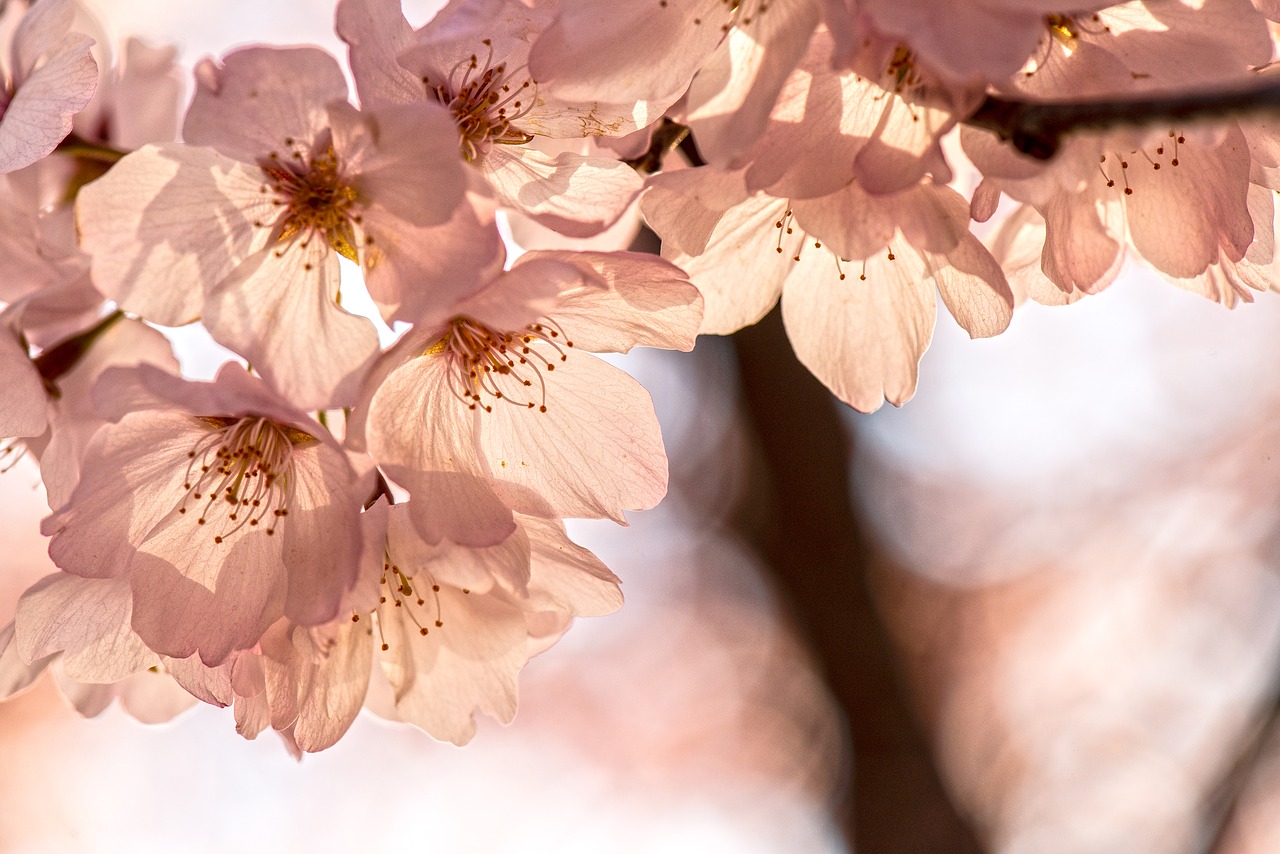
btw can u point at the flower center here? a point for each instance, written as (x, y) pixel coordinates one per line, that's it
(504, 366)
(314, 195)
(404, 596)
(901, 74)
(240, 474)
(486, 100)
(1062, 32)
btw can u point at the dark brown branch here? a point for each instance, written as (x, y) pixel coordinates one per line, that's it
(667, 137)
(56, 361)
(1039, 128)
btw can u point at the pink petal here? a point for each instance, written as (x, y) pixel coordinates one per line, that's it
(1212, 183)
(422, 434)
(470, 664)
(594, 452)
(529, 290)
(418, 274)
(376, 32)
(817, 111)
(40, 113)
(322, 545)
(85, 619)
(152, 697)
(127, 342)
(263, 307)
(403, 158)
(577, 195)
(649, 302)
(24, 402)
(464, 567)
(211, 685)
(633, 52)
(974, 289)
(131, 473)
(263, 99)
(565, 576)
(215, 599)
(16, 675)
(167, 221)
(740, 274)
(864, 338)
(685, 206)
(335, 691)
(1079, 251)
(454, 506)
(731, 96)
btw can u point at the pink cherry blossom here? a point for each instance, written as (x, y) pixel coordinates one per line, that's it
(505, 397)
(449, 649)
(73, 419)
(856, 273)
(224, 507)
(138, 101)
(50, 77)
(649, 53)
(966, 40)
(472, 58)
(1177, 196)
(246, 234)
(880, 124)
(22, 407)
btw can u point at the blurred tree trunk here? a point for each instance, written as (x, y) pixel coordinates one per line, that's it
(803, 524)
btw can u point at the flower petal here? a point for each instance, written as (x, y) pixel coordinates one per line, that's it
(167, 221)
(279, 310)
(863, 338)
(578, 195)
(263, 99)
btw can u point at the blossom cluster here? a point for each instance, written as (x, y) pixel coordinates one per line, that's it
(343, 518)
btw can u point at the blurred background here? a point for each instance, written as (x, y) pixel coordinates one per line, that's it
(1034, 610)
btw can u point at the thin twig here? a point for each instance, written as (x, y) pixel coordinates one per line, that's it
(666, 138)
(84, 149)
(1038, 128)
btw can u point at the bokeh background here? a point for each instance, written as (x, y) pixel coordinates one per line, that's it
(1034, 610)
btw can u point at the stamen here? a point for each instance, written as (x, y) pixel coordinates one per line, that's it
(485, 363)
(242, 471)
(486, 101)
(11, 453)
(315, 198)
(404, 594)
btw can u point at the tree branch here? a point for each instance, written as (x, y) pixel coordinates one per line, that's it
(1039, 128)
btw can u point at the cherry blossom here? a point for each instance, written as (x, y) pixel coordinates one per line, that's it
(224, 507)
(450, 631)
(856, 273)
(50, 77)
(880, 124)
(1130, 187)
(986, 40)
(259, 219)
(472, 58)
(507, 389)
